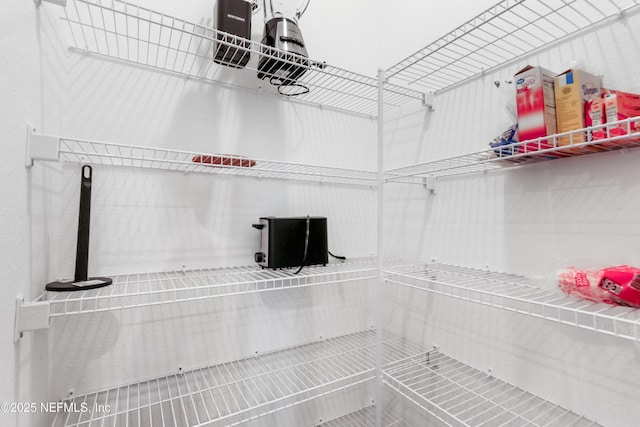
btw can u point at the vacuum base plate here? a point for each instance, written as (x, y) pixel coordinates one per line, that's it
(70, 285)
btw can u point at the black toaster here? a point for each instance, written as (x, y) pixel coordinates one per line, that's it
(292, 242)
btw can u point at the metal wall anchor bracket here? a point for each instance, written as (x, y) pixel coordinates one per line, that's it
(30, 316)
(429, 101)
(41, 147)
(62, 3)
(429, 183)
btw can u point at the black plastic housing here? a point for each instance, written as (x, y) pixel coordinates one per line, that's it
(283, 242)
(233, 17)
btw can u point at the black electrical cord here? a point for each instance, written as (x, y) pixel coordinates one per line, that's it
(306, 245)
(306, 248)
(303, 89)
(292, 88)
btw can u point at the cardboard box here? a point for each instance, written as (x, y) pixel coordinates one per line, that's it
(574, 89)
(613, 106)
(536, 106)
(505, 145)
(620, 106)
(595, 116)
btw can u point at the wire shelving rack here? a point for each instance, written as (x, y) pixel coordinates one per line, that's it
(460, 395)
(501, 34)
(366, 417)
(138, 290)
(228, 394)
(231, 393)
(126, 32)
(82, 151)
(517, 294)
(620, 135)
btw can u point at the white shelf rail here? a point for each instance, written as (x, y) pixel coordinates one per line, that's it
(623, 134)
(460, 395)
(126, 32)
(366, 417)
(148, 289)
(502, 34)
(134, 291)
(229, 394)
(517, 294)
(73, 150)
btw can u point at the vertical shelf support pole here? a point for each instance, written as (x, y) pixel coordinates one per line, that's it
(380, 236)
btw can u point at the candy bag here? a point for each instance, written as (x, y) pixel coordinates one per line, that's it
(614, 285)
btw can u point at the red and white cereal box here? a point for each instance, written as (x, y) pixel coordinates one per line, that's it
(536, 106)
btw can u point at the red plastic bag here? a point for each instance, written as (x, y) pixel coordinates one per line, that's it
(614, 285)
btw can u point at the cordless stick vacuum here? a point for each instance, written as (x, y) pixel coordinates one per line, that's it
(81, 282)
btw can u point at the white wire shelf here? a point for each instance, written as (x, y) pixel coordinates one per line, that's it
(72, 150)
(518, 294)
(366, 417)
(231, 393)
(623, 134)
(126, 32)
(504, 33)
(460, 395)
(138, 290)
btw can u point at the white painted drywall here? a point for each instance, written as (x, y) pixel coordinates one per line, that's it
(20, 85)
(529, 221)
(145, 221)
(532, 221)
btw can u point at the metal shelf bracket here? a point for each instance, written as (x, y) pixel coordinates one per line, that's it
(62, 3)
(41, 147)
(30, 316)
(429, 101)
(430, 184)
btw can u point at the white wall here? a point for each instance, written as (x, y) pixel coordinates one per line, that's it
(407, 26)
(577, 205)
(20, 87)
(144, 221)
(533, 221)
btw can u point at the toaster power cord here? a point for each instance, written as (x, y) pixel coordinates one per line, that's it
(306, 246)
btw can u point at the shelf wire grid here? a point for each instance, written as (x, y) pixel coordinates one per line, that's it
(111, 154)
(460, 395)
(127, 32)
(366, 417)
(619, 135)
(499, 35)
(151, 289)
(231, 393)
(517, 294)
